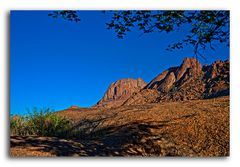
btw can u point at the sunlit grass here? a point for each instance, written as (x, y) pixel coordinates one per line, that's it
(40, 122)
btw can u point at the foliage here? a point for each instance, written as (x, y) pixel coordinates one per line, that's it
(18, 126)
(205, 27)
(66, 15)
(40, 122)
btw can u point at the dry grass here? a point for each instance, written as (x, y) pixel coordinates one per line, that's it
(190, 128)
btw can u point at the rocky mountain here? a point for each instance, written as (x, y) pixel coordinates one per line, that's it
(217, 79)
(120, 91)
(189, 81)
(164, 81)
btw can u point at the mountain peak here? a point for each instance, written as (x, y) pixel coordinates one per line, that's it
(190, 65)
(120, 91)
(188, 81)
(164, 81)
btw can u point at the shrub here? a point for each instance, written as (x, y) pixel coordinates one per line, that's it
(18, 126)
(41, 122)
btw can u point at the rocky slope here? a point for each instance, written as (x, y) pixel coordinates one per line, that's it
(191, 128)
(120, 91)
(189, 81)
(164, 81)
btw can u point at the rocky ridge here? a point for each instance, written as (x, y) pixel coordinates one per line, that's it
(120, 91)
(189, 81)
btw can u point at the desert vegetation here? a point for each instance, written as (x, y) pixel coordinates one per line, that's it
(40, 122)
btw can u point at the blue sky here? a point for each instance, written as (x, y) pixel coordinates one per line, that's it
(56, 63)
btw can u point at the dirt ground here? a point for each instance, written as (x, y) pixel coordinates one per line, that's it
(190, 128)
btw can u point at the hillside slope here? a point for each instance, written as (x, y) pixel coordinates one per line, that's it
(189, 81)
(189, 128)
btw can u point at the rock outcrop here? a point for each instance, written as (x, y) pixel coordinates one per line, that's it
(189, 81)
(120, 91)
(217, 79)
(166, 80)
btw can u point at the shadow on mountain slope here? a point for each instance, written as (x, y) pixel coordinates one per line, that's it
(192, 128)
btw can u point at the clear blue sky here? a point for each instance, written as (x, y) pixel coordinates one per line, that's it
(56, 63)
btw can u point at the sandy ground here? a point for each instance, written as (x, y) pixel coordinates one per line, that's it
(189, 128)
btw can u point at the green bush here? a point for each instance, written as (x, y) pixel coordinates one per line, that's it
(18, 126)
(41, 122)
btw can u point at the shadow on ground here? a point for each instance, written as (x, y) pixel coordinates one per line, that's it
(195, 128)
(109, 141)
(138, 139)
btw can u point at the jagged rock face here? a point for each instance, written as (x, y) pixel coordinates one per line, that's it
(120, 91)
(166, 80)
(208, 82)
(191, 89)
(189, 81)
(167, 83)
(154, 84)
(190, 67)
(217, 79)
